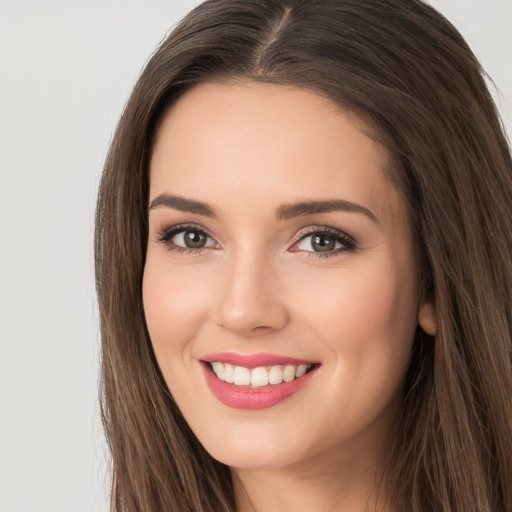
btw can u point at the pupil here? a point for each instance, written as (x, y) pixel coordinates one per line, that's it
(323, 243)
(194, 240)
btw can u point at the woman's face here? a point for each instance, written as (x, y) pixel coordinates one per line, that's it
(276, 241)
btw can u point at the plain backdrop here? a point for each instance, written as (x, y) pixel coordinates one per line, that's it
(66, 70)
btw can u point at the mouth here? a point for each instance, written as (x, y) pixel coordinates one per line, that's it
(259, 377)
(247, 386)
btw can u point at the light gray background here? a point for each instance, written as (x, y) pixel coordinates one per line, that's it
(66, 69)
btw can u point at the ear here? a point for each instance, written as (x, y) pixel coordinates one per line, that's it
(427, 318)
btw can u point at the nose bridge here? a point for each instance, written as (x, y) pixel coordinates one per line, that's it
(249, 301)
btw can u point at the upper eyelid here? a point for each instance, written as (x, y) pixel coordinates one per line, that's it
(323, 229)
(318, 229)
(178, 228)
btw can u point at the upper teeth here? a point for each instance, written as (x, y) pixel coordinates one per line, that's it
(258, 377)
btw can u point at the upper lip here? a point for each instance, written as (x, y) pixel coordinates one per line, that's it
(254, 360)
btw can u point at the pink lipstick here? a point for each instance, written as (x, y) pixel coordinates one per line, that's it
(255, 381)
(253, 360)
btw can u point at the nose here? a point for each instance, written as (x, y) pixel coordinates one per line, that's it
(250, 301)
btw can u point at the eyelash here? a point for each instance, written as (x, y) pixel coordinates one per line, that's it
(165, 236)
(349, 244)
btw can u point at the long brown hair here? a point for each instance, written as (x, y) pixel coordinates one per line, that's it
(403, 68)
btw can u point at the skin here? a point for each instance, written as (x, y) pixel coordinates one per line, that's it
(246, 149)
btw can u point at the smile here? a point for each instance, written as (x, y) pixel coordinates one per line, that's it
(258, 377)
(255, 381)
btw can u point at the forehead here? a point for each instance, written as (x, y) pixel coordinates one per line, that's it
(252, 141)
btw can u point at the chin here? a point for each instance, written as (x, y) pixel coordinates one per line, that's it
(257, 449)
(252, 457)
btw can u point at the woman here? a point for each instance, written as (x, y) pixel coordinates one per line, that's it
(303, 255)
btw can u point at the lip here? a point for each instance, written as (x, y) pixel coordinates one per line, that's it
(238, 397)
(253, 360)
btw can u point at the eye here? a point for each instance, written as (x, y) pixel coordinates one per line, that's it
(324, 242)
(181, 238)
(191, 239)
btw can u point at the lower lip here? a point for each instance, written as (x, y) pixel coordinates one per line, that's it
(253, 398)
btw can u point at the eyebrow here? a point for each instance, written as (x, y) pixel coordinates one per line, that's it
(182, 204)
(284, 212)
(289, 211)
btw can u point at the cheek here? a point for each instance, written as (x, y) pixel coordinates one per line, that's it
(366, 320)
(175, 305)
(382, 322)
(374, 303)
